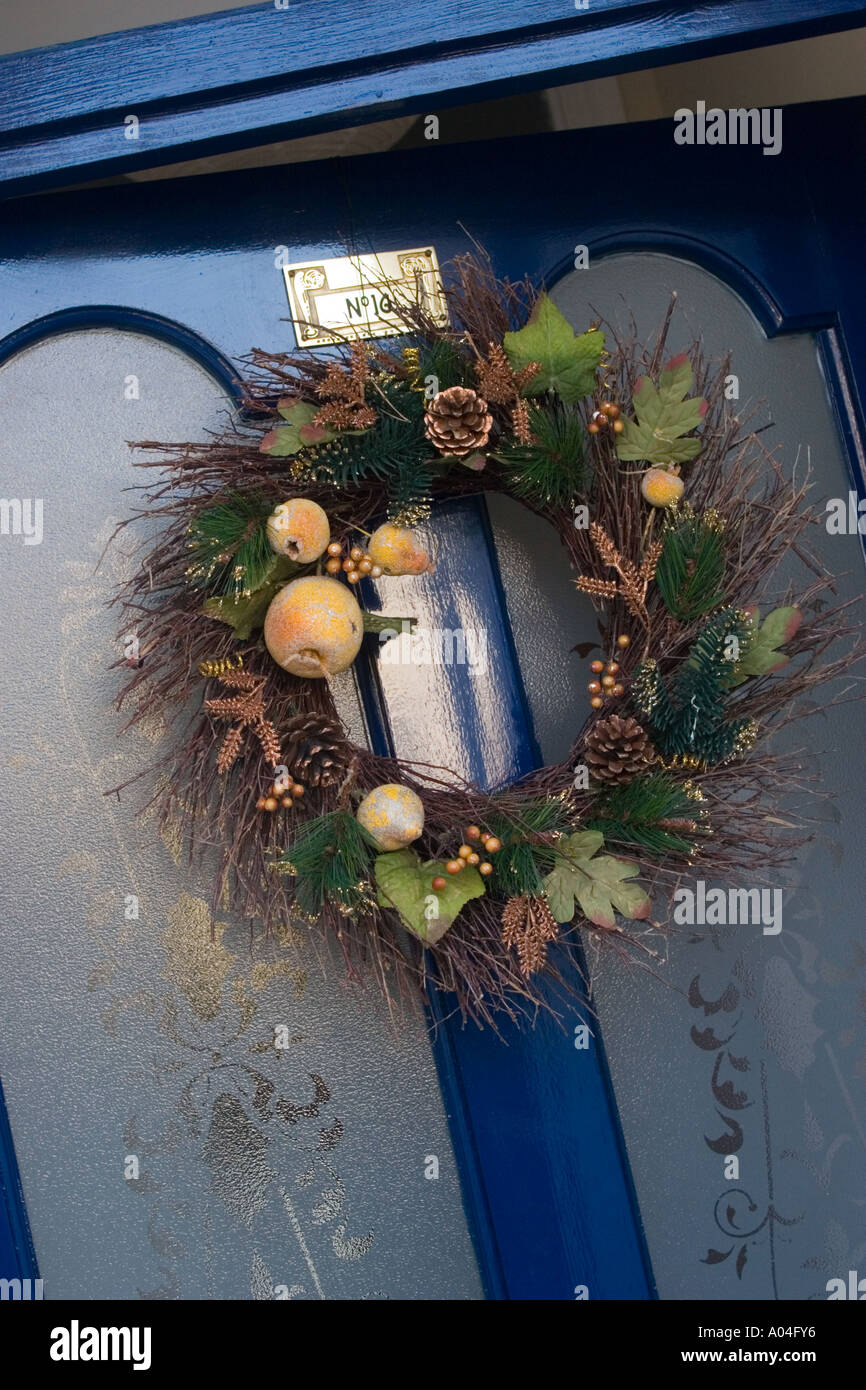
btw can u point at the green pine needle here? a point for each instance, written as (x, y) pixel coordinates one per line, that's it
(443, 360)
(692, 565)
(331, 861)
(395, 451)
(631, 814)
(691, 718)
(521, 863)
(552, 470)
(232, 554)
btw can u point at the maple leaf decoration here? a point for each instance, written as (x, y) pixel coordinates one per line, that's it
(246, 710)
(634, 580)
(567, 363)
(343, 391)
(665, 416)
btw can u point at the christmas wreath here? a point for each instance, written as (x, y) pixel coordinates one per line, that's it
(675, 520)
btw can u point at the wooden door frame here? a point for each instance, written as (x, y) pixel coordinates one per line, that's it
(268, 72)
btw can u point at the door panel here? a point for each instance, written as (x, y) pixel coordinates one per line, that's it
(135, 1039)
(796, 999)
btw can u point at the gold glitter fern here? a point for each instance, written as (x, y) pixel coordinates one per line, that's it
(633, 580)
(247, 710)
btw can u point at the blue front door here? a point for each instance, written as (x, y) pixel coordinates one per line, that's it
(545, 1178)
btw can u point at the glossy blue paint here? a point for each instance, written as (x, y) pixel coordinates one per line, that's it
(77, 317)
(518, 1103)
(17, 1255)
(243, 77)
(545, 1179)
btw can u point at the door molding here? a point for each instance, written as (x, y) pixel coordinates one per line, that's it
(77, 318)
(252, 76)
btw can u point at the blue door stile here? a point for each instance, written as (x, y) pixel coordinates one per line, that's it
(546, 1182)
(17, 1254)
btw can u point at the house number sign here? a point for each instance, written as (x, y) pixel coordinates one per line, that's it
(350, 297)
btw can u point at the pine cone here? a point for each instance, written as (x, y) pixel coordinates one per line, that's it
(617, 749)
(458, 421)
(315, 750)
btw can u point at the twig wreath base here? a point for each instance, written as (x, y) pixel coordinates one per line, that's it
(675, 520)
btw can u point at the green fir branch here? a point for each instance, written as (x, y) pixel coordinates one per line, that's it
(231, 552)
(654, 812)
(691, 566)
(524, 860)
(395, 451)
(443, 360)
(553, 468)
(691, 717)
(331, 862)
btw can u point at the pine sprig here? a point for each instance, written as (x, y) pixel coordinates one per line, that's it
(691, 720)
(655, 812)
(691, 566)
(443, 360)
(232, 554)
(552, 468)
(331, 861)
(396, 452)
(528, 845)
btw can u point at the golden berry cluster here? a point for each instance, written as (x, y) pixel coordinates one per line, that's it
(605, 684)
(606, 417)
(284, 792)
(355, 563)
(466, 855)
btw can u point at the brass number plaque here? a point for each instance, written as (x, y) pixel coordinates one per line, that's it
(350, 297)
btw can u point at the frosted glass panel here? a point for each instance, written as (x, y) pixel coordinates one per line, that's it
(139, 1045)
(794, 1008)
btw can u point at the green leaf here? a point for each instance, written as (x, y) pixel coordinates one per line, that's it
(664, 417)
(675, 380)
(569, 362)
(247, 613)
(405, 883)
(762, 656)
(597, 883)
(299, 433)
